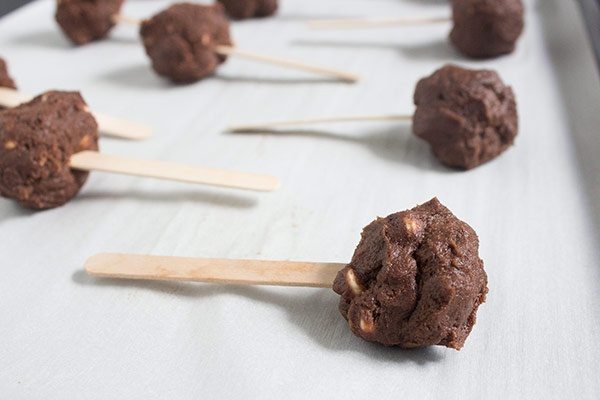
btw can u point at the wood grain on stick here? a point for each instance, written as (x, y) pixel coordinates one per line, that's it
(233, 272)
(283, 62)
(126, 19)
(121, 128)
(326, 120)
(95, 161)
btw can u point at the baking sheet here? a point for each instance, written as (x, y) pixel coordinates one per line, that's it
(536, 210)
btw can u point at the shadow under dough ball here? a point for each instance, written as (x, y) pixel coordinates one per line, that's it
(84, 21)
(37, 140)
(467, 116)
(182, 39)
(245, 9)
(5, 79)
(415, 280)
(486, 28)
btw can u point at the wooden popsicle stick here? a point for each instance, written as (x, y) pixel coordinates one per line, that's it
(95, 161)
(125, 19)
(362, 23)
(10, 98)
(121, 128)
(309, 121)
(233, 51)
(232, 272)
(108, 125)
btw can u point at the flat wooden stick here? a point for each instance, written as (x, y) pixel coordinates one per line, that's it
(95, 161)
(233, 51)
(121, 128)
(125, 19)
(10, 98)
(110, 126)
(232, 272)
(309, 121)
(361, 23)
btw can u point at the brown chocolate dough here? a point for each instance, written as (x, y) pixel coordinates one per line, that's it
(37, 140)
(415, 280)
(244, 9)
(84, 21)
(468, 116)
(486, 28)
(181, 41)
(5, 79)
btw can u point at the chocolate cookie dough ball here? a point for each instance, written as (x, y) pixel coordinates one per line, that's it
(84, 21)
(181, 41)
(415, 280)
(486, 28)
(5, 79)
(244, 9)
(468, 116)
(37, 140)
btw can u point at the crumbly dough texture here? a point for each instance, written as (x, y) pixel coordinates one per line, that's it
(181, 41)
(468, 117)
(415, 280)
(37, 140)
(486, 28)
(5, 79)
(244, 9)
(84, 21)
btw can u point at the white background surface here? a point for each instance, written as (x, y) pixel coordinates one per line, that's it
(536, 210)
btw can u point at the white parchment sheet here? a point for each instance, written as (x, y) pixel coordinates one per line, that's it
(536, 209)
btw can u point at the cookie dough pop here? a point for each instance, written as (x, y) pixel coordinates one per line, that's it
(187, 42)
(467, 116)
(48, 146)
(480, 28)
(415, 279)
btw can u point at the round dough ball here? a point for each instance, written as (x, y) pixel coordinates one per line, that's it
(37, 140)
(415, 280)
(181, 41)
(467, 116)
(84, 21)
(486, 28)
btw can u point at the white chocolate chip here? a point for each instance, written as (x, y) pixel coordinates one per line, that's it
(412, 225)
(85, 142)
(366, 323)
(10, 144)
(353, 283)
(205, 39)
